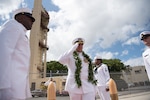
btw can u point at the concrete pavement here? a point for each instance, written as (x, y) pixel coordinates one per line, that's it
(135, 93)
(135, 96)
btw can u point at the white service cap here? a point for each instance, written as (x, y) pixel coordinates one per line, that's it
(24, 11)
(81, 40)
(97, 57)
(144, 34)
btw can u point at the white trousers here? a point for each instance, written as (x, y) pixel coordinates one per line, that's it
(87, 96)
(6, 94)
(104, 95)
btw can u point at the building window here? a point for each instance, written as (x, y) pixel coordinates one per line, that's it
(63, 83)
(33, 86)
(137, 71)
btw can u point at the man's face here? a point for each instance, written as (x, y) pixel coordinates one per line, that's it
(26, 20)
(98, 61)
(146, 40)
(80, 47)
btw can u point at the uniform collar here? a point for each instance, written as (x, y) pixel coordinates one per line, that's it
(99, 65)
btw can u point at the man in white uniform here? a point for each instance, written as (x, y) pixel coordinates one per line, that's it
(145, 37)
(80, 81)
(102, 75)
(15, 56)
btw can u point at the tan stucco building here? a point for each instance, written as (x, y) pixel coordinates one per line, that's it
(136, 75)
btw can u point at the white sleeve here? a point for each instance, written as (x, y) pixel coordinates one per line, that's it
(64, 59)
(107, 75)
(9, 36)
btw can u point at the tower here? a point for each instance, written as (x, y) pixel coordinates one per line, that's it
(38, 43)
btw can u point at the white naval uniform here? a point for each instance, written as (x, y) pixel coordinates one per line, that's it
(71, 85)
(102, 76)
(146, 58)
(14, 62)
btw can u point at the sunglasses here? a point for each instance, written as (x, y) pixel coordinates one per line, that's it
(80, 43)
(145, 36)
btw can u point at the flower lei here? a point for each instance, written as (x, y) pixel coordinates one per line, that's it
(78, 69)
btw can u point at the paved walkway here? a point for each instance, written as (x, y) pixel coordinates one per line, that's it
(136, 96)
(135, 93)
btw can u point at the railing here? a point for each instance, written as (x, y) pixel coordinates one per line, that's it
(122, 84)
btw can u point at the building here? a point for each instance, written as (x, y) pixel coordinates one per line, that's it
(59, 81)
(136, 75)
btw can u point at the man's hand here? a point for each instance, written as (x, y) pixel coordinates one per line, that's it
(107, 89)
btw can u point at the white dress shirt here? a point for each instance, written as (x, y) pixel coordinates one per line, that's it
(14, 59)
(102, 75)
(146, 58)
(71, 85)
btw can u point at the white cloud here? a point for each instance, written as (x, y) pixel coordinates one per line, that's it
(103, 21)
(100, 21)
(134, 62)
(107, 55)
(125, 52)
(133, 40)
(7, 6)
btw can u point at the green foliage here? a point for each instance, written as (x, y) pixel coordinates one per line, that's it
(78, 69)
(114, 65)
(54, 66)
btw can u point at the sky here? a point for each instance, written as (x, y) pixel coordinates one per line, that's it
(110, 28)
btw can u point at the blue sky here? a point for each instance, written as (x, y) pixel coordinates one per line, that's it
(110, 28)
